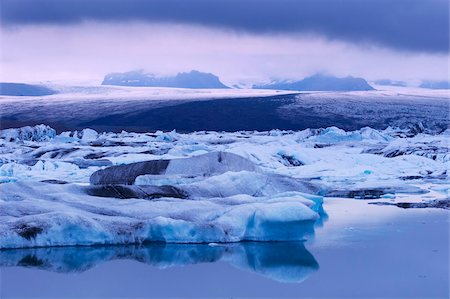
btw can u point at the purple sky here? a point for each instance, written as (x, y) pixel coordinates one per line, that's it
(240, 41)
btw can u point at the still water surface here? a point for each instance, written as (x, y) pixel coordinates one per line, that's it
(360, 251)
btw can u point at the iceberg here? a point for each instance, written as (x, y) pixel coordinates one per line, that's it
(44, 214)
(85, 134)
(203, 165)
(37, 133)
(90, 188)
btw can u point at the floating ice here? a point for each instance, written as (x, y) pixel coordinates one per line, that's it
(198, 187)
(42, 214)
(203, 165)
(37, 133)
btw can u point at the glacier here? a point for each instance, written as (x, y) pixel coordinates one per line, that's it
(101, 188)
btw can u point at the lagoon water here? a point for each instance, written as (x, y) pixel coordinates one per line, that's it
(359, 251)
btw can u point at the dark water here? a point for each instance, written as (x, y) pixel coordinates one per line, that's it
(403, 255)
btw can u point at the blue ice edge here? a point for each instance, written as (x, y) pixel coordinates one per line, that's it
(79, 219)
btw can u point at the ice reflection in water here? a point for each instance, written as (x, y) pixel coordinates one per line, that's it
(281, 261)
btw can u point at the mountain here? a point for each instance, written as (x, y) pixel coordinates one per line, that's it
(435, 84)
(193, 79)
(388, 82)
(320, 83)
(22, 89)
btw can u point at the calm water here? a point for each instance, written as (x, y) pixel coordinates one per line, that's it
(360, 251)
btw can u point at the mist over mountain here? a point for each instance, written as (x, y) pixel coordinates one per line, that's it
(21, 89)
(435, 84)
(320, 83)
(192, 79)
(388, 82)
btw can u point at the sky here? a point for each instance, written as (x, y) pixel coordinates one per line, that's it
(241, 41)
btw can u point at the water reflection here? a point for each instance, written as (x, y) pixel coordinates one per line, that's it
(280, 261)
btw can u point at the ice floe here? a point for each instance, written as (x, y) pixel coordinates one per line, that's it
(86, 188)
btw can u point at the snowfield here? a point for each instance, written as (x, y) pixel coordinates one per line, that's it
(88, 188)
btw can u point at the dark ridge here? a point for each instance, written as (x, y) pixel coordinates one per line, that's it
(127, 191)
(127, 174)
(437, 203)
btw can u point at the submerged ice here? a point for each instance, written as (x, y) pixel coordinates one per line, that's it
(86, 188)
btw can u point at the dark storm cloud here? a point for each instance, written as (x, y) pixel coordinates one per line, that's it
(411, 25)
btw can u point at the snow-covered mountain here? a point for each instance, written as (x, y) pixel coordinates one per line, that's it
(320, 83)
(192, 79)
(435, 84)
(22, 89)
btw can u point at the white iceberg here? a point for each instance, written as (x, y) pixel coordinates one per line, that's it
(37, 133)
(198, 187)
(42, 214)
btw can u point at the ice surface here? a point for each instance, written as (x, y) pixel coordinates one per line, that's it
(203, 187)
(148, 109)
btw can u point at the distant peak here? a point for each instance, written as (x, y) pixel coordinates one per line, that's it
(191, 79)
(320, 82)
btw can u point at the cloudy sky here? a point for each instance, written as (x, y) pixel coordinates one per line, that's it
(238, 40)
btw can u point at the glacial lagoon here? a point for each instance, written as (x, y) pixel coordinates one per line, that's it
(384, 252)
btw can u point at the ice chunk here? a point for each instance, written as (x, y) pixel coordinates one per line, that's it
(432, 147)
(85, 134)
(41, 170)
(37, 133)
(334, 135)
(88, 135)
(203, 165)
(40, 214)
(372, 134)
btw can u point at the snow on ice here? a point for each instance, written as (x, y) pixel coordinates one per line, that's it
(86, 188)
